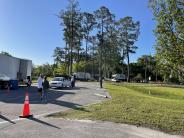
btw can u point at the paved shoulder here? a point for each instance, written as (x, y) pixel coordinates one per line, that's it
(11, 102)
(57, 128)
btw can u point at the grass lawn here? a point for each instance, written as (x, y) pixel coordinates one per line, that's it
(138, 104)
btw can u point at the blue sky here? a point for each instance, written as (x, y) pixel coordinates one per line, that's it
(30, 28)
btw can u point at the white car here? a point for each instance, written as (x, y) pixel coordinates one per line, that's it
(59, 82)
(115, 80)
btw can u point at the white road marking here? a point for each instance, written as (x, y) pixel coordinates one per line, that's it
(100, 95)
(40, 115)
(37, 116)
(14, 120)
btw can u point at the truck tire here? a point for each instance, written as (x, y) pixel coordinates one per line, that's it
(6, 85)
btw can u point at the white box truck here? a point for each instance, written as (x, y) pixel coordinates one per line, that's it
(82, 76)
(14, 70)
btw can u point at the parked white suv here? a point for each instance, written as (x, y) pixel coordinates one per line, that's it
(59, 82)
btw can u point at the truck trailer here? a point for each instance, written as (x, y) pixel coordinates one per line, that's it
(82, 76)
(14, 70)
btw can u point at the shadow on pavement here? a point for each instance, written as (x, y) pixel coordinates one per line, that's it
(6, 119)
(78, 88)
(42, 122)
(69, 105)
(18, 97)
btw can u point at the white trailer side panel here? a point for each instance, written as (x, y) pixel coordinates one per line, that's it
(29, 67)
(9, 66)
(25, 68)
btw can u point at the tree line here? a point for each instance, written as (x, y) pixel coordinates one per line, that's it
(100, 44)
(97, 38)
(140, 71)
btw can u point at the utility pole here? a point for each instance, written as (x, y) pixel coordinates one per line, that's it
(146, 60)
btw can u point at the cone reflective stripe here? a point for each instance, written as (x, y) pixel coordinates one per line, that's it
(26, 109)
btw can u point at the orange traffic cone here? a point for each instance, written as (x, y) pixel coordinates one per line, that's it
(26, 110)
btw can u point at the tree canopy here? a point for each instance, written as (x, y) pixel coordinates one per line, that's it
(169, 32)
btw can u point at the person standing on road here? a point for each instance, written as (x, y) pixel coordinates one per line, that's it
(72, 81)
(101, 82)
(40, 85)
(28, 81)
(45, 88)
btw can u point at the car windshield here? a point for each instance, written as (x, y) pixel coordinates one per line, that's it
(57, 79)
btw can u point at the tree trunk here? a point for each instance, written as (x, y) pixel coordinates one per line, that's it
(71, 50)
(77, 61)
(100, 69)
(156, 76)
(146, 71)
(71, 61)
(78, 52)
(86, 53)
(67, 59)
(100, 62)
(128, 67)
(93, 62)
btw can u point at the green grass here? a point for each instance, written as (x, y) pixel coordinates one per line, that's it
(142, 105)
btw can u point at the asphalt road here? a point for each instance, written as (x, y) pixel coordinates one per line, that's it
(11, 103)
